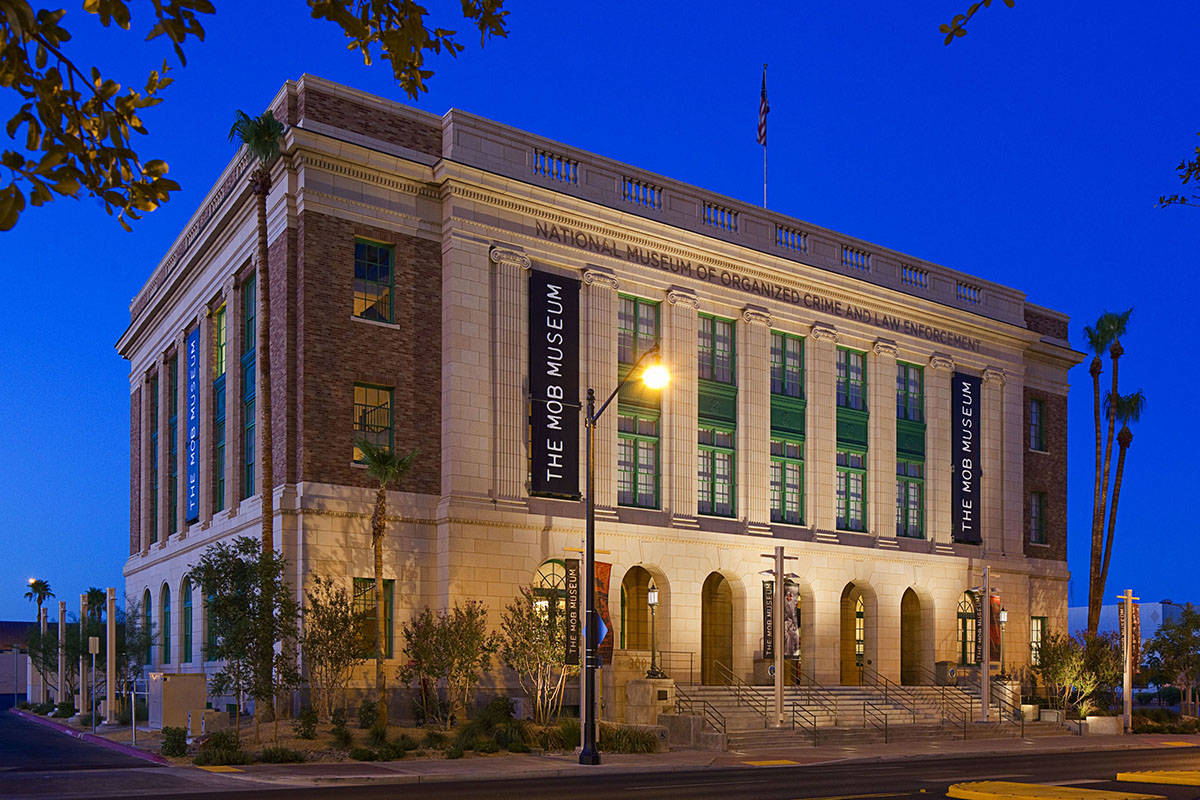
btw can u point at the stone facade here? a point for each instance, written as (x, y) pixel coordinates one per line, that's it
(468, 207)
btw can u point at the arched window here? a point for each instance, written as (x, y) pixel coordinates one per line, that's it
(860, 635)
(550, 587)
(148, 629)
(185, 621)
(966, 629)
(166, 624)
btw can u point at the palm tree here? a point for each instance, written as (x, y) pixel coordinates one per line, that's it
(387, 467)
(262, 136)
(39, 590)
(97, 598)
(1126, 408)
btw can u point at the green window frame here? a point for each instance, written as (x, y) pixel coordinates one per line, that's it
(787, 480)
(374, 280)
(550, 588)
(148, 624)
(851, 490)
(787, 364)
(1037, 634)
(851, 379)
(165, 624)
(910, 392)
(910, 498)
(185, 621)
(637, 327)
(966, 629)
(364, 609)
(249, 380)
(372, 417)
(1037, 426)
(860, 631)
(715, 471)
(153, 460)
(716, 349)
(638, 458)
(1037, 517)
(219, 408)
(173, 445)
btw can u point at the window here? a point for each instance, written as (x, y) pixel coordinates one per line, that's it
(966, 629)
(165, 623)
(637, 459)
(716, 349)
(1037, 517)
(153, 461)
(172, 444)
(1037, 432)
(219, 340)
(860, 631)
(147, 624)
(364, 608)
(851, 490)
(787, 364)
(851, 379)
(637, 328)
(1037, 633)
(249, 338)
(787, 481)
(910, 393)
(185, 622)
(373, 280)
(550, 588)
(372, 417)
(910, 499)
(715, 472)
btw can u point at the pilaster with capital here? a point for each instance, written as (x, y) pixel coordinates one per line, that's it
(754, 418)
(234, 452)
(820, 425)
(181, 432)
(510, 333)
(938, 466)
(680, 322)
(164, 393)
(204, 321)
(147, 400)
(600, 373)
(881, 438)
(992, 453)
(1013, 458)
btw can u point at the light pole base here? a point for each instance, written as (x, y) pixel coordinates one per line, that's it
(589, 757)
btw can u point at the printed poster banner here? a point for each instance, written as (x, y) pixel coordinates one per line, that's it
(993, 634)
(572, 566)
(553, 385)
(791, 621)
(965, 404)
(1135, 639)
(768, 601)
(192, 451)
(605, 645)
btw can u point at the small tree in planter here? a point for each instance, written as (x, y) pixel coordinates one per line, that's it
(452, 648)
(534, 646)
(331, 644)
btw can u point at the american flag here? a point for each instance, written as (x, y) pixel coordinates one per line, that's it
(763, 108)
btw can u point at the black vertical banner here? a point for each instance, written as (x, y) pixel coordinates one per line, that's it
(553, 385)
(965, 405)
(572, 568)
(768, 649)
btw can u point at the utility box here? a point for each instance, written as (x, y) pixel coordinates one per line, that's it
(172, 695)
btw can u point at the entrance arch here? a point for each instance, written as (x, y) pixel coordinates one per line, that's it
(910, 639)
(858, 623)
(716, 628)
(635, 609)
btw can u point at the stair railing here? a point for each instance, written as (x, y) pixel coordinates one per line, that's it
(893, 692)
(954, 707)
(1008, 711)
(686, 704)
(744, 692)
(816, 694)
(876, 716)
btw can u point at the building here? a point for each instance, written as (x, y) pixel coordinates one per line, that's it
(14, 662)
(895, 424)
(1151, 617)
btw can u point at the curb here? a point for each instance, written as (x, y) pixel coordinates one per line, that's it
(92, 738)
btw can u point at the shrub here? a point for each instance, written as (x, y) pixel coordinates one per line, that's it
(434, 740)
(282, 755)
(65, 709)
(342, 737)
(518, 747)
(406, 742)
(469, 735)
(454, 751)
(487, 746)
(306, 723)
(511, 731)
(627, 739)
(499, 710)
(221, 748)
(23, 705)
(86, 720)
(391, 751)
(43, 708)
(364, 754)
(377, 736)
(568, 728)
(368, 714)
(174, 741)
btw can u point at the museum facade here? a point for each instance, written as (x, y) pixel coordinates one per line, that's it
(452, 285)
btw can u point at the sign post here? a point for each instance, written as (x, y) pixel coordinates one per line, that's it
(1127, 645)
(93, 649)
(775, 627)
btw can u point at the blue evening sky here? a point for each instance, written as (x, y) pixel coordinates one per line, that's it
(1030, 153)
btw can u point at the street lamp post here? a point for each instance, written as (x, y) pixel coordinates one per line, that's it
(655, 377)
(1003, 628)
(652, 601)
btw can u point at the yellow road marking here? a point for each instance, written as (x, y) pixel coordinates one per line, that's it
(781, 762)
(853, 796)
(221, 768)
(1178, 744)
(1010, 790)
(1180, 777)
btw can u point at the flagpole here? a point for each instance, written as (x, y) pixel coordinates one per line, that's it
(764, 176)
(763, 108)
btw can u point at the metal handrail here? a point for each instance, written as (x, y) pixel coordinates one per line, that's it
(744, 691)
(877, 716)
(806, 716)
(686, 704)
(671, 660)
(1015, 715)
(893, 692)
(952, 705)
(823, 697)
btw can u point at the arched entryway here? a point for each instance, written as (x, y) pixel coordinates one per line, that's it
(910, 639)
(716, 628)
(635, 609)
(857, 633)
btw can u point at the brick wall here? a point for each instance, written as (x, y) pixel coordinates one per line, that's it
(372, 121)
(1047, 472)
(336, 352)
(135, 471)
(1047, 326)
(281, 256)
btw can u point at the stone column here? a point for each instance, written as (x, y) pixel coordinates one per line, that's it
(679, 405)
(820, 426)
(600, 373)
(754, 420)
(991, 450)
(1013, 457)
(881, 438)
(110, 657)
(146, 402)
(938, 466)
(509, 331)
(164, 392)
(62, 651)
(234, 457)
(84, 656)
